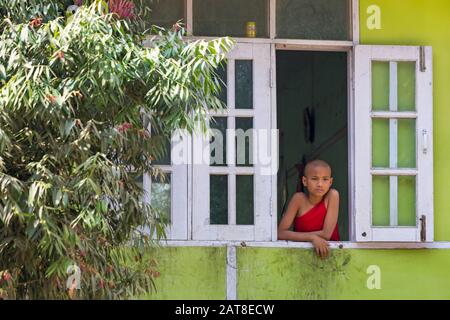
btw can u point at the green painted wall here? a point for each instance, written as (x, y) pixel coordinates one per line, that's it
(423, 22)
(273, 273)
(280, 273)
(190, 273)
(269, 273)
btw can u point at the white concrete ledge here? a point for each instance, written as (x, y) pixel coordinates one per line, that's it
(292, 244)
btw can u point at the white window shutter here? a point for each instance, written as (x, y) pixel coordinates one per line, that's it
(202, 229)
(365, 229)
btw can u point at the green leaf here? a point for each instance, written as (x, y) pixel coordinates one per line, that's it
(24, 34)
(2, 72)
(32, 193)
(68, 126)
(57, 196)
(65, 200)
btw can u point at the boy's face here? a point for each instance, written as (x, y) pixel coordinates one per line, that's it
(317, 180)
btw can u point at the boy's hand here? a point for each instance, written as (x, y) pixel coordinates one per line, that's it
(321, 246)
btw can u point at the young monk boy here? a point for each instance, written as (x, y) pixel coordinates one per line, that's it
(315, 213)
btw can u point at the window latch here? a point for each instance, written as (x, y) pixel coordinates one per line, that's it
(425, 141)
(271, 204)
(423, 229)
(271, 78)
(423, 66)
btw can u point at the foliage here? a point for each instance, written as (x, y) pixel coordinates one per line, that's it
(21, 11)
(77, 96)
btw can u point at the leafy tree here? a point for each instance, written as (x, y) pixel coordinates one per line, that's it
(77, 96)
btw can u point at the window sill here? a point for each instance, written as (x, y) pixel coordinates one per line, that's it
(292, 244)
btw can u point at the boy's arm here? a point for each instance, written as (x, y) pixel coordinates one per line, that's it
(332, 215)
(288, 218)
(320, 244)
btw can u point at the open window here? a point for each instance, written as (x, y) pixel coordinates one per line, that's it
(365, 109)
(312, 119)
(393, 164)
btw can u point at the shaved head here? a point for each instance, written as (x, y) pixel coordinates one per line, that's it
(314, 164)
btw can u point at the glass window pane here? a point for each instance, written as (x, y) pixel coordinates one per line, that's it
(406, 77)
(160, 195)
(380, 201)
(230, 17)
(244, 141)
(218, 142)
(218, 199)
(222, 73)
(164, 13)
(163, 151)
(244, 84)
(140, 182)
(406, 143)
(407, 201)
(313, 19)
(244, 200)
(380, 143)
(380, 86)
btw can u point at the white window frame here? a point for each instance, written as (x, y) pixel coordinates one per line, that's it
(260, 113)
(422, 56)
